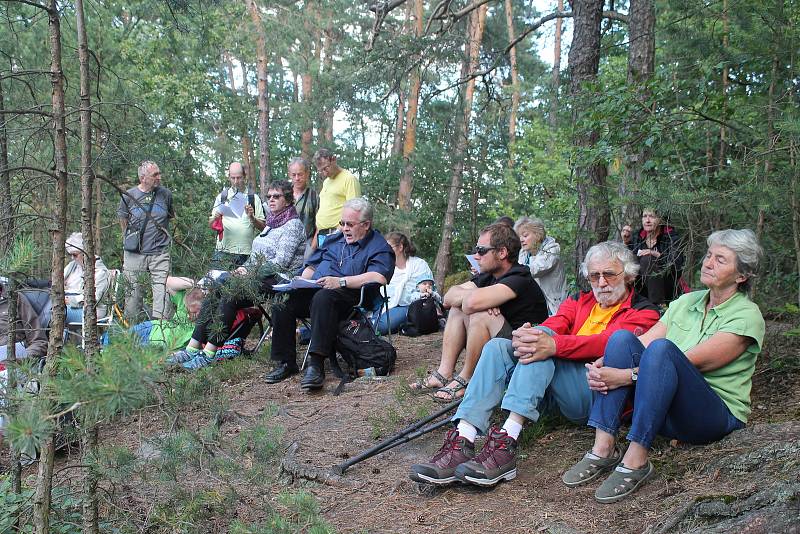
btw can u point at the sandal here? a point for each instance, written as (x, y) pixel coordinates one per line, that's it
(454, 392)
(590, 467)
(622, 482)
(424, 384)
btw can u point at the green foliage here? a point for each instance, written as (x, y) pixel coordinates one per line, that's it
(16, 509)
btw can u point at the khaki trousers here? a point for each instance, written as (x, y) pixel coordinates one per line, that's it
(136, 267)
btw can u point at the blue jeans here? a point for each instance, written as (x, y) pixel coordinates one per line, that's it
(533, 388)
(396, 319)
(671, 397)
(74, 315)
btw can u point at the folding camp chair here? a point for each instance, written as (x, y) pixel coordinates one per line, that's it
(362, 308)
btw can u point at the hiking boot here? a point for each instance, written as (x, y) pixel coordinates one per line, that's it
(181, 356)
(441, 469)
(497, 461)
(201, 360)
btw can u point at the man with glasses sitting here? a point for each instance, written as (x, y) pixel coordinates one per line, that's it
(357, 256)
(500, 298)
(541, 368)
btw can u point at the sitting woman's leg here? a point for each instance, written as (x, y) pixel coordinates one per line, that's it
(395, 319)
(674, 400)
(623, 351)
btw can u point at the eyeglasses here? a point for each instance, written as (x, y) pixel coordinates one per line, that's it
(481, 251)
(275, 195)
(608, 275)
(348, 224)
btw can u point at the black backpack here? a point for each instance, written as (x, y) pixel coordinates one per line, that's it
(423, 317)
(361, 348)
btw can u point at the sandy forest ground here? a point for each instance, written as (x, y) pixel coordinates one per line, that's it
(377, 495)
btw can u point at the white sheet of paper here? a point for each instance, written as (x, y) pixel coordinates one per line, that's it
(225, 210)
(472, 262)
(296, 283)
(237, 204)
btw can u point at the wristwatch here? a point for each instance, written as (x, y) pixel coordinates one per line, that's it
(634, 374)
(342, 282)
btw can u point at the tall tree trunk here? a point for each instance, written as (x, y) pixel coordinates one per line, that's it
(584, 60)
(410, 141)
(90, 520)
(247, 145)
(397, 139)
(264, 162)
(477, 20)
(11, 385)
(512, 115)
(556, 83)
(6, 201)
(723, 134)
(795, 209)
(326, 126)
(44, 482)
(641, 61)
(307, 135)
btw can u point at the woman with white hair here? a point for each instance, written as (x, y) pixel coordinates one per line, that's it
(73, 280)
(542, 254)
(691, 372)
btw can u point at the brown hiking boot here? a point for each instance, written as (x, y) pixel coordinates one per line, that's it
(440, 470)
(497, 461)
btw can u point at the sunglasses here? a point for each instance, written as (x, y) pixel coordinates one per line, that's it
(348, 224)
(608, 275)
(481, 251)
(275, 195)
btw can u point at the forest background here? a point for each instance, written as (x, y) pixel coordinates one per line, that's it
(443, 109)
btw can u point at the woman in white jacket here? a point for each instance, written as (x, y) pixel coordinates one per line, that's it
(542, 255)
(402, 289)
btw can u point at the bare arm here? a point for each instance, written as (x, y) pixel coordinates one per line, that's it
(718, 351)
(487, 297)
(307, 273)
(178, 283)
(455, 295)
(657, 331)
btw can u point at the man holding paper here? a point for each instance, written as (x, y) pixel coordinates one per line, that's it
(357, 256)
(238, 217)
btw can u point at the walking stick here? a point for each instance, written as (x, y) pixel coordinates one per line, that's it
(412, 431)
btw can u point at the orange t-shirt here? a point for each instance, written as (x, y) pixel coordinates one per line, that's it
(598, 320)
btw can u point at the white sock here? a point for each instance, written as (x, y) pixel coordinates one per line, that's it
(512, 428)
(466, 430)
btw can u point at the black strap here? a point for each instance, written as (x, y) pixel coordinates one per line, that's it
(147, 215)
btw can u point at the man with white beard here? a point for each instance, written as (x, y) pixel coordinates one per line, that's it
(541, 368)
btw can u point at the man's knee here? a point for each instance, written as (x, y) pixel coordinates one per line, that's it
(483, 321)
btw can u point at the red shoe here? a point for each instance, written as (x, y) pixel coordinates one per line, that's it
(440, 470)
(497, 461)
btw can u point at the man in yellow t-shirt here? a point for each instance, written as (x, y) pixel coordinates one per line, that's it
(339, 186)
(241, 220)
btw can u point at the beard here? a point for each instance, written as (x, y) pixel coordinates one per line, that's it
(610, 296)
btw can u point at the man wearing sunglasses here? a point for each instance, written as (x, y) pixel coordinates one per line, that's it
(499, 299)
(346, 261)
(339, 186)
(541, 368)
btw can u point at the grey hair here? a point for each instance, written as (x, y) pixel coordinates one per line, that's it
(143, 168)
(323, 153)
(612, 250)
(300, 161)
(744, 244)
(362, 206)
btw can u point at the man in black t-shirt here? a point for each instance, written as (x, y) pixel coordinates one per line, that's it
(499, 299)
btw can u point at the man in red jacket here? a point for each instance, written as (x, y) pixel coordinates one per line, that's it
(542, 368)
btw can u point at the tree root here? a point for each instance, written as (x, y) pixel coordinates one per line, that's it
(293, 470)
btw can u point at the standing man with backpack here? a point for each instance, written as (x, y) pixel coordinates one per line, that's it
(144, 212)
(238, 217)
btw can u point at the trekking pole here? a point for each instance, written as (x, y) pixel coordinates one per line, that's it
(410, 432)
